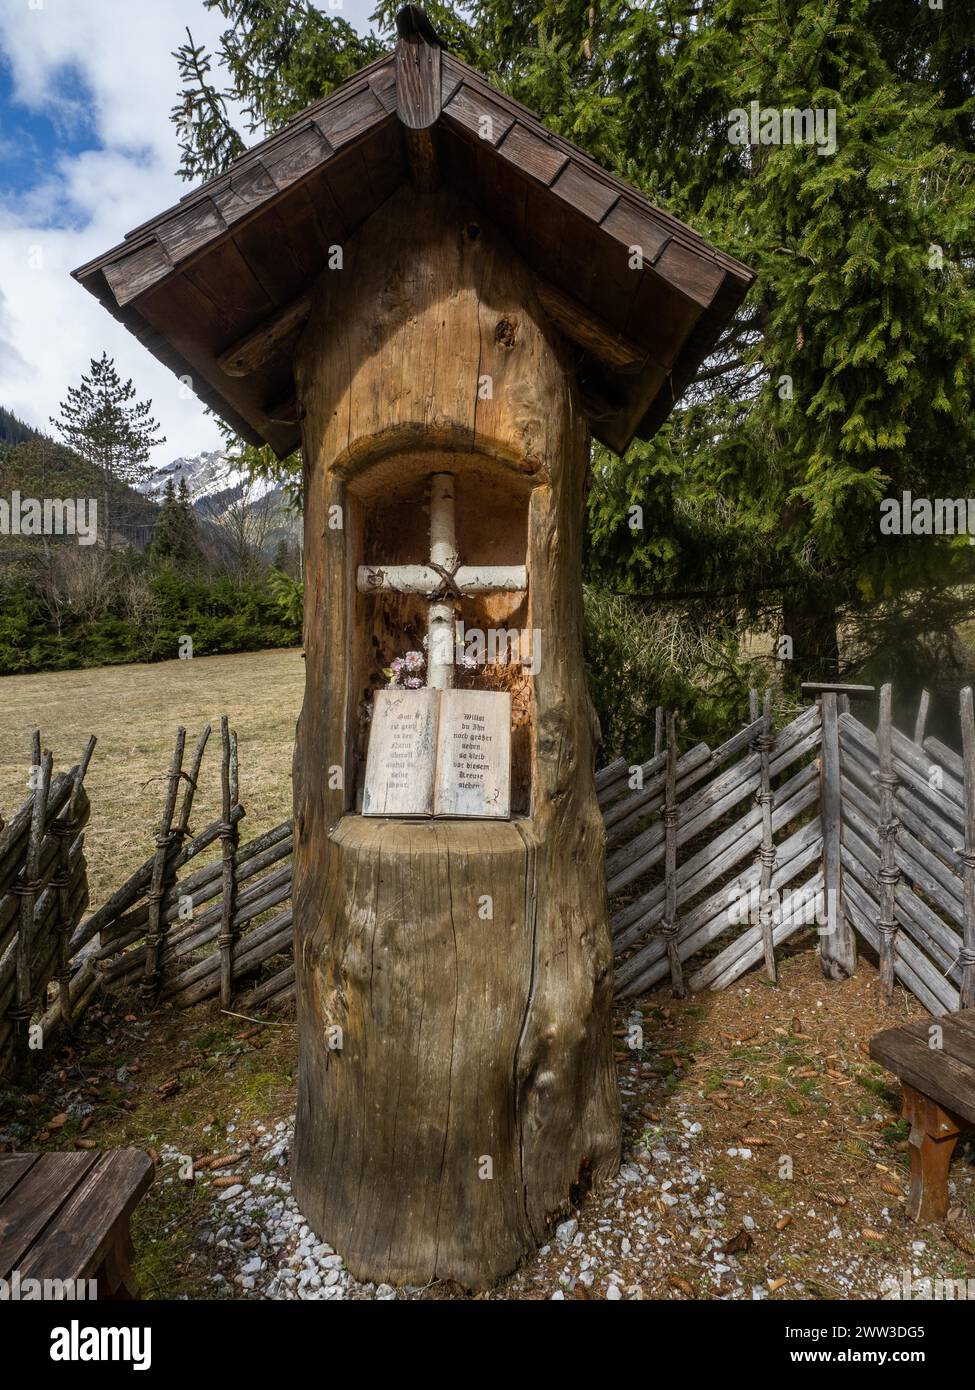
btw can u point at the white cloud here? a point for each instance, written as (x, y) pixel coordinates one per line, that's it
(50, 327)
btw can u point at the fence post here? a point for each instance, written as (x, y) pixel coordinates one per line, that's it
(27, 888)
(65, 828)
(165, 840)
(766, 853)
(889, 873)
(920, 723)
(668, 927)
(966, 957)
(228, 843)
(837, 944)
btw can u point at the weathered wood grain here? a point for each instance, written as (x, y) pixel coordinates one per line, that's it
(510, 1057)
(967, 953)
(838, 944)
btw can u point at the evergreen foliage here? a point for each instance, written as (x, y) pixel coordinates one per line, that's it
(14, 431)
(847, 375)
(102, 421)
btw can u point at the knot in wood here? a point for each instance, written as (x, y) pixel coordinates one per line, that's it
(505, 335)
(668, 929)
(64, 829)
(966, 956)
(766, 855)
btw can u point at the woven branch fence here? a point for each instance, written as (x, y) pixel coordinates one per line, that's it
(153, 934)
(908, 852)
(43, 893)
(681, 847)
(714, 857)
(733, 850)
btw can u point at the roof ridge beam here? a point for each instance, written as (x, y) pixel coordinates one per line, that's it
(419, 94)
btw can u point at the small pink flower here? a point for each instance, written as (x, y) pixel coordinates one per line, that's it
(413, 661)
(413, 683)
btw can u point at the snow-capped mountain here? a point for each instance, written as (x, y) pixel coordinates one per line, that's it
(210, 477)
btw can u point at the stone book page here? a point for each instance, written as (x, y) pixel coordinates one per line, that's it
(474, 755)
(402, 754)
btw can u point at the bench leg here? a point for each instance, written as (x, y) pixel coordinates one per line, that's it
(934, 1133)
(115, 1278)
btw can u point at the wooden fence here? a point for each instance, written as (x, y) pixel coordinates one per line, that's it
(43, 893)
(908, 852)
(152, 933)
(715, 858)
(732, 848)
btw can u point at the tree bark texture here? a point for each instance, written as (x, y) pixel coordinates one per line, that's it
(467, 964)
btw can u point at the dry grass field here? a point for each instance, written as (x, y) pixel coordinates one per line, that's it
(134, 711)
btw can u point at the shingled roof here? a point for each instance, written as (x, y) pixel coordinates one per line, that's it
(219, 286)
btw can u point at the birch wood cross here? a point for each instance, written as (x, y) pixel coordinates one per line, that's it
(443, 579)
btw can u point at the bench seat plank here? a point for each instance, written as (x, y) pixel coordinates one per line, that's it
(89, 1224)
(35, 1201)
(940, 1073)
(12, 1169)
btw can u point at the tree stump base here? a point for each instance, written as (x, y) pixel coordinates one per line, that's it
(445, 1128)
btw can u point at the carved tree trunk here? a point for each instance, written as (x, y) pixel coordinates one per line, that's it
(473, 1096)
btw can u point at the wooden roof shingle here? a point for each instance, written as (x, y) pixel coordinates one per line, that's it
(219, 286)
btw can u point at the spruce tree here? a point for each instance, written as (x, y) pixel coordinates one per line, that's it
(104, 423)
(174, 536)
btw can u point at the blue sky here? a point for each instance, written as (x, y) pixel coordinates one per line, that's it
(32, 138)
(87, 151)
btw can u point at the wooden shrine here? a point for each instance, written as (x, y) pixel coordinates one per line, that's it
(439, 301)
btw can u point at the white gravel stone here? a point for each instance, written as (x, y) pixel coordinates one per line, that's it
(565, 1231)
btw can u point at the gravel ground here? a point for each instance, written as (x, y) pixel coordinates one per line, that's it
(763, 1155)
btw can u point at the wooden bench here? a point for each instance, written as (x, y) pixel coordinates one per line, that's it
(937, 1073)
(65, 1216)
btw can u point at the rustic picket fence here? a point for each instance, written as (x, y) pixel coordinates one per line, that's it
(715, 859)
(43, 893)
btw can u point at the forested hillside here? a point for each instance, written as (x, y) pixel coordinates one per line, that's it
(12, 430)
